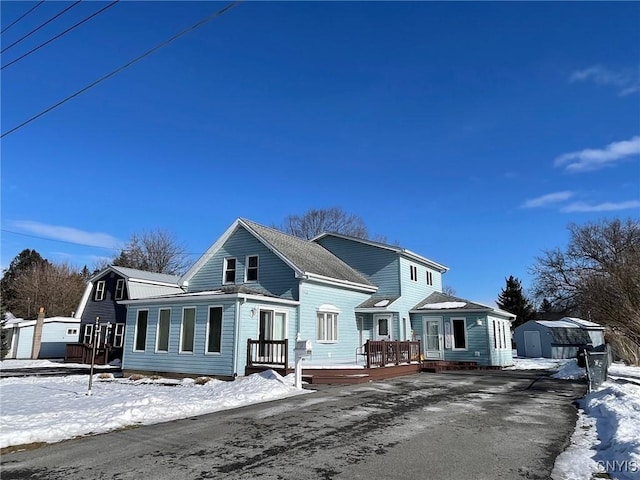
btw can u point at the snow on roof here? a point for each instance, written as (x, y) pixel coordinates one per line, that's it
(557, 324)
(443, 305)
(581, 322)
(381, 303)
(20, 322)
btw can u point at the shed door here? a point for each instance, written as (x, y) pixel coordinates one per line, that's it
(532, 346)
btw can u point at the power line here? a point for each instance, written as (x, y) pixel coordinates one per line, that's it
(59, 35)
(39, 237)
(40, 26)
(21, 16)
(220, 12)
(56, 240)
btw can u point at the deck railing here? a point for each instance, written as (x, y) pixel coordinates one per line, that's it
(82, 353)
(268, 352)
(382, 353)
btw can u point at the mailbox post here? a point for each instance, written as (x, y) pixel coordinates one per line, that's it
(303, 350)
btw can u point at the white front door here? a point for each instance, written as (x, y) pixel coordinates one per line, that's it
(382, 325)
(532, 345)
(433, 338)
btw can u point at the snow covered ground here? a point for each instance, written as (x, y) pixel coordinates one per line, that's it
(606, 440)
(50, 409)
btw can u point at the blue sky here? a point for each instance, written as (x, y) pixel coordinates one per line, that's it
(471, 133)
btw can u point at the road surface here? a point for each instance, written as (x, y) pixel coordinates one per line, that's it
(459, 425)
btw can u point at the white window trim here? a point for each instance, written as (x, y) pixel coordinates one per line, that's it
(337, 333)
(413, 273)
(135, 333)
(224, 271)
(453, 335)
(119, 335)
(429, 278)
(120, 289)
(273, 313)
(72, 331)
(88, 326)
(195, 315)
(157, 350)
(206, 338)
(100, 288)
(246, 269)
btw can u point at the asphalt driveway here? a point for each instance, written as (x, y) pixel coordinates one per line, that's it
(480, 425)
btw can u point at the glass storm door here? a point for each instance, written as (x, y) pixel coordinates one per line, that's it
(272, 327)
(433, 338)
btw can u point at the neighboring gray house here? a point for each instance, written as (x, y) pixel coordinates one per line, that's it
(102, 297)
(556, 338)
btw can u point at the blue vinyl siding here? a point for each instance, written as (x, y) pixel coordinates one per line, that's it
(199, 362)
(500, 356)
(413, 291)
(313, 295)
(196, 363)
(249, 326)
(477, 340)
(380, 266)
(480, 341)
(274, 276)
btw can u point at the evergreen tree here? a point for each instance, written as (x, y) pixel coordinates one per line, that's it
(26, 261)
(512, 299)
(4, 340)
(546, 306)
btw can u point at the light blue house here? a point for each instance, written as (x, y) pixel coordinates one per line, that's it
(257, 283)
(56, 333)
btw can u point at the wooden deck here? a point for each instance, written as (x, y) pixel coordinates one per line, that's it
(344, 376)
(383, 359)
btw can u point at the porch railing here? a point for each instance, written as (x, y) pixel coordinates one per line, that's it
(82, 352)
(382, 353)
(268, 352)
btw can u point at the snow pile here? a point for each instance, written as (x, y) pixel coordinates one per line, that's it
(51, 409)
(443, 305)
(538, 363)
(570, 371)
(607, 435)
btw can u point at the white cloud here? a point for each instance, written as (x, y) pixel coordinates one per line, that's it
(547, 199)
(601, 207)
(627, 82)
(68, 234)
(593, 159)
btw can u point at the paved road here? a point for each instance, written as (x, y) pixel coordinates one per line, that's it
(462, 425)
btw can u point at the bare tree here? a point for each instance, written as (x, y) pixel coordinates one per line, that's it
(155, 251)
(56, 287)
(449, 290)
(598, 277)
(316, 221)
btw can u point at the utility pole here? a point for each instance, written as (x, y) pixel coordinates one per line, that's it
(93, 353)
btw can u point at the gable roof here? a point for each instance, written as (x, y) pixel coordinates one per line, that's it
(438, 301)
(399, 250)
(140, 284)
(139, 275)
(306, 258)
